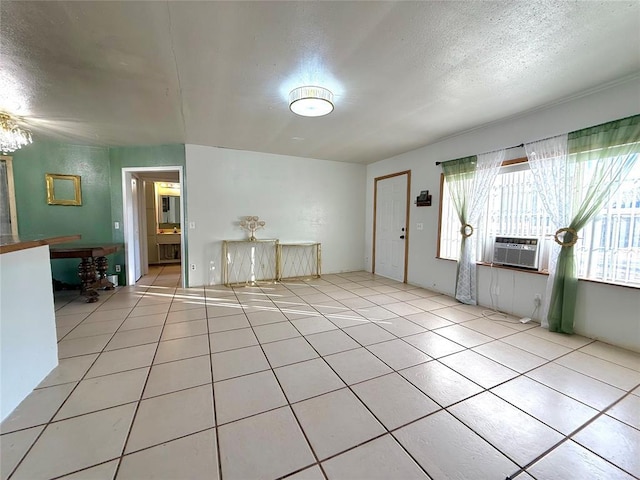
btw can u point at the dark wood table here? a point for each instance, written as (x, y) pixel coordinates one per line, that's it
(93, 265)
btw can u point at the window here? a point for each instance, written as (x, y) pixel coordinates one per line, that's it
(609, 246)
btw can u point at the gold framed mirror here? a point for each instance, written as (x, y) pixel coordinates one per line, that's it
(63, 189)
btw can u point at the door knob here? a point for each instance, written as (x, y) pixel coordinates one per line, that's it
(402, 237)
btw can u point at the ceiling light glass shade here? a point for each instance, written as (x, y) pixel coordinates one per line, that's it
(12, 137)
(311, 101)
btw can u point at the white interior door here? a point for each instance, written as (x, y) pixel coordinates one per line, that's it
(391, 229)
(135, 206)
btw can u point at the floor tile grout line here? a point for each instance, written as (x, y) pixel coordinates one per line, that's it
(213, 392)
(139, 401)
(288, 405)
(50, 421)
(387, 431)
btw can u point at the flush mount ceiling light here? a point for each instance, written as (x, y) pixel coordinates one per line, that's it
(311, 101)
(12, 137)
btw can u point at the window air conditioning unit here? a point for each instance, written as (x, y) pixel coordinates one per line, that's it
(520, 252)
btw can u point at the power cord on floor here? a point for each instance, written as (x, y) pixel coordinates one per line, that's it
(503, 317)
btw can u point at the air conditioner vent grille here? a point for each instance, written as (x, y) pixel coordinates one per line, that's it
(516, 251)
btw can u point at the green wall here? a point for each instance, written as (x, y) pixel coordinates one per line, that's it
(100, 169)
(35, 217)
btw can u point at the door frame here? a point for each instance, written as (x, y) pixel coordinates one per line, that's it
(406, 228)
(127, 220)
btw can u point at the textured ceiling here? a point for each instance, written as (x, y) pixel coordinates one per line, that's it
(404, 74)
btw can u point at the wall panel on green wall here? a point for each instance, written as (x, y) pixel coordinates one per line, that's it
(92, 219)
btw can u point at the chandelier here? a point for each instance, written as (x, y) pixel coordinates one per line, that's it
(12, 137)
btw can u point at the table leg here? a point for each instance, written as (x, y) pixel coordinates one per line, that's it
(87, 274)
(101, 266)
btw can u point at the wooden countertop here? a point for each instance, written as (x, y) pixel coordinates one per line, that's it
(10, 243)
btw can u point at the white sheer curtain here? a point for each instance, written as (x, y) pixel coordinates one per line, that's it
(548, 163)
(469, 187)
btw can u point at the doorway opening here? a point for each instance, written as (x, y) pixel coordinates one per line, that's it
(153, 220)
(391, 199)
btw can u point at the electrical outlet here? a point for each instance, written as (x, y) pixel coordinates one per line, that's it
(192, 225)
(118, 268)
(419, 226)
(116, 225)
(537, 299)
(193, 266)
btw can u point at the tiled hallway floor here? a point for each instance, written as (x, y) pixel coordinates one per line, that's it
(351, 376)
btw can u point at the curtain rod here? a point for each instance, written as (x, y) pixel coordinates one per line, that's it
(508, 148)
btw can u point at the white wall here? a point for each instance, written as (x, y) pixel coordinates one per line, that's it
(606, 312)
(299, 199)
(28, 343)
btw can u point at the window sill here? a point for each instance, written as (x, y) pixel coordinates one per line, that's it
(544, 272)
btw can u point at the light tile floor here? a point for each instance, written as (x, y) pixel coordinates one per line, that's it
(349, 376)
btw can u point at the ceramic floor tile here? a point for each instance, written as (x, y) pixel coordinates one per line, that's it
(289, 351)
(121, 360)
(234, 363)
(375, 313)
(571, 460)
(37, 408)
(333, 341)
(381, 299)
(453, 314)
(173, 331)
(131, 338)
(182, 348)
(464, 336)
(428, 320)
(368, 334)
(232, 339)
(618, 355)
(257, 317)
(538, 346)
(402, 308)
(585, 389)
(250, 450)
(613, 440)
(65, 447)
(569, 341)
(248, 395)
(627, 411)
(143, 322)
(312, 473)
(566, 415)
(82, 346)
(150, 310)
(335, 422)
(357, 365)
(13, 446)
(398, 354)
(382, 458)
(310, 325)
(194, 457)
(492, 328)
(345, 319)
(163, 418)
(393, 400)
(69, 370)
(440, 383)
(231, 322)
(188, 315)
(401, 327)
(433, 344)
(500, 423)
(102, 314)
(178, 375)
(478, 369)
(104, 471)
(275, 331)
(103, 392)
(510, 356)
(603, 370)
(307, 379)
(96, 328)
(432, 440)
